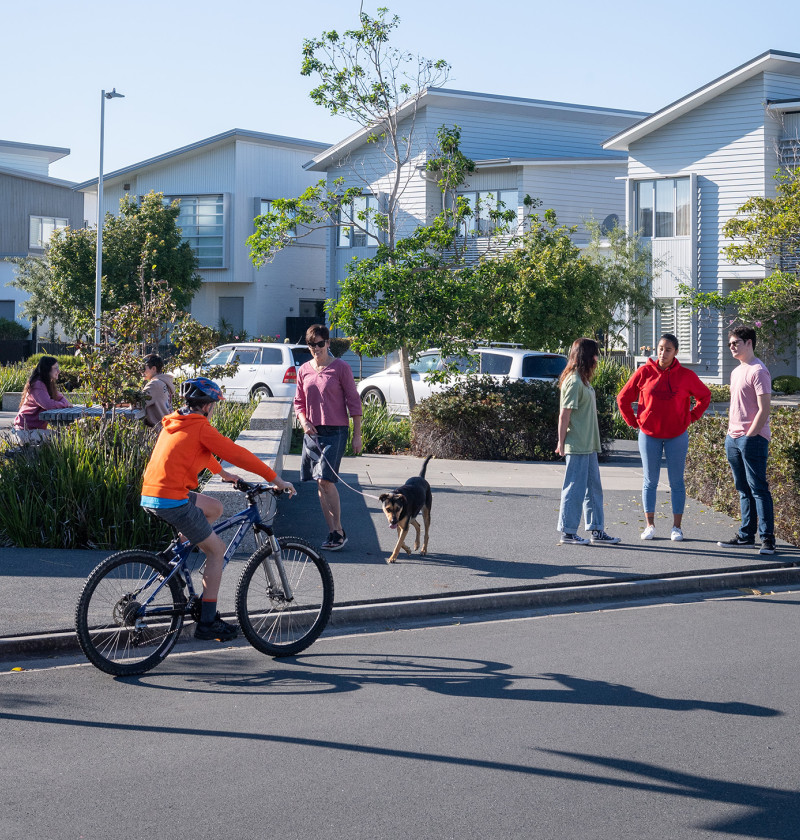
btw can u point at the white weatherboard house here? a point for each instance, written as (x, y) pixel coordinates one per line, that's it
(223, 183)
(548, 150)
(32, 206)
(690, 166)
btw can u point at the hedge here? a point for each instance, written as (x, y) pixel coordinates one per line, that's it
(709, 478)
(484, 420)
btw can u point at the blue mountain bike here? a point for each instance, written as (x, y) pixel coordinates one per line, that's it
(133, 604)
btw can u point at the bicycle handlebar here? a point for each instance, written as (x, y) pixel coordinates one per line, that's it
(243, 487)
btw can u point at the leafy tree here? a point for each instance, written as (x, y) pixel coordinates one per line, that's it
(626, 271)
(44, 303)
(766, 232)
(542, 292)
(362, 77)
(142, 247)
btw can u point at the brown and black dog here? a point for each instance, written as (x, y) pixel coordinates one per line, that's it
(403, 505)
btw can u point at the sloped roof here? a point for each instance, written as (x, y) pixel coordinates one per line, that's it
(217, 139)
(772, 60)
(50, 153)
(447, 97)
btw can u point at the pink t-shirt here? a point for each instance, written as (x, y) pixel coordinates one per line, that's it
(325, 396)
(748, 382)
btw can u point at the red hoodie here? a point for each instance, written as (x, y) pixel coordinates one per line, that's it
(663, 397)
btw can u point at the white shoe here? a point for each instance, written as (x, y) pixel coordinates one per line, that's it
(648, 533)
(677, 534)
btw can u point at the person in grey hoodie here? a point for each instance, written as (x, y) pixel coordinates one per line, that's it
(158, 391)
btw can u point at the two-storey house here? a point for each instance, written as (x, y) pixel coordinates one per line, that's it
(223, 183)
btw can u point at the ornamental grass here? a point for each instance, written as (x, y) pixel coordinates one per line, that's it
(81, 488)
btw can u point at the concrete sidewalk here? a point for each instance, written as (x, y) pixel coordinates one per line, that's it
(493, 542)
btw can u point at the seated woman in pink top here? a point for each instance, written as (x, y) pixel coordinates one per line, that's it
(326, 392)
(40, 394)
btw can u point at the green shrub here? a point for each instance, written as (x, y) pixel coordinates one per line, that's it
(719, 393)
(609, 379)
(786, 384)
(381, 433)
(14, 376)
(12, 330)
(709, 478)
(81, 488)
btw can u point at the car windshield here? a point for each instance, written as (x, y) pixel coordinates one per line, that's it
(301, 355)
(426, 363)
(543, 367)
(220, 356)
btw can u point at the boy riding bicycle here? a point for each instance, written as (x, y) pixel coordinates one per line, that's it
(186, 446)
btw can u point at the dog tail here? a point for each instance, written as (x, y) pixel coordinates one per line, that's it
(424, 466)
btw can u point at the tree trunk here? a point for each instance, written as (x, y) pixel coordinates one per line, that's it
(405, 373)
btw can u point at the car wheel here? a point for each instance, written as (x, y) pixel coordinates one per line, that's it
(372, 396)
(260, 392)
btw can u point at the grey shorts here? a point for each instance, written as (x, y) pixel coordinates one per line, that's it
(330, 442)
(188, 519)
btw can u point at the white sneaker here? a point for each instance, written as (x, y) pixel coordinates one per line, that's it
(648, 533)
(677, 534)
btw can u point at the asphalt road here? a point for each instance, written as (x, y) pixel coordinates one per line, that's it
(646, 722)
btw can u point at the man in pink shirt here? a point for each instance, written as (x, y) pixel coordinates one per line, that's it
(747, 442)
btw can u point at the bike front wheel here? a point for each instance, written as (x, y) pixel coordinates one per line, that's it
(280, 622)
(128, 619)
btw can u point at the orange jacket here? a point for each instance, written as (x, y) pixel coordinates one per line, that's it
(186, 446)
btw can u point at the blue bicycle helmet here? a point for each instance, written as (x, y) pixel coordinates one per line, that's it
(201, 390)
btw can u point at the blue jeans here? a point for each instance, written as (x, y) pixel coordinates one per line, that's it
(748, 459)
(581, 489)
(674, 449)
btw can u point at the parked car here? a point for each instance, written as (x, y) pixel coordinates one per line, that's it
(265, 370)
(513, 363)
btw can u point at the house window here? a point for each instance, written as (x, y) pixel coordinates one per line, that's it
(42, 228)
(668, 316)
(357, 227)
(482, 203)
(663, 208)
(231, 313)
(266, 207)
(202, 222)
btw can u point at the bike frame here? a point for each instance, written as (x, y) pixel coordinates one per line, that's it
(250, 517)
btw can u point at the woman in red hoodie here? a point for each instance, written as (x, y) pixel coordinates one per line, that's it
(663, 389)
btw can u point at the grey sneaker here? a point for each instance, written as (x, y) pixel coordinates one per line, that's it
(572, 539)
(602, 538)
(737, 542)
(767, 546)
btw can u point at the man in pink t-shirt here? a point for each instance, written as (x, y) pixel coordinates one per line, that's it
(747, 442)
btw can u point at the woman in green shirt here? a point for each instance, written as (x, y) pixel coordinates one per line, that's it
(579, 441)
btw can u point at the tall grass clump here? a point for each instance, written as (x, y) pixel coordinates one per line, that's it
(14, 376)
(81, 488)
(381, 433)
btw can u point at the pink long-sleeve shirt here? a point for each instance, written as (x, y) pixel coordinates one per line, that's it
(326, 396)
(36, 401)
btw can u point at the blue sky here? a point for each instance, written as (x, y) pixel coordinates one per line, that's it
(193, 69)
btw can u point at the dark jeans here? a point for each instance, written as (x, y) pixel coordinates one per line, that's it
(748, 459)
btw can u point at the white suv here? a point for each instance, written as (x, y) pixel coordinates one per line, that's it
(265, 370)
(500, 362)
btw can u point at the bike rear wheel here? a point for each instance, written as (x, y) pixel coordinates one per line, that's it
(126, 625)
(272, 622)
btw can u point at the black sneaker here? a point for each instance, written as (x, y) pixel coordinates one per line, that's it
(767, 546)
(602, 538)
(737, 542)
(573, 539)
(335, 541)
(216, 629)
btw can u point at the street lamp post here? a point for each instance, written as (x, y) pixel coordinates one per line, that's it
(99, 259)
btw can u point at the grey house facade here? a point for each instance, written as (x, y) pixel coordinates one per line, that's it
(223, 183)
(690, 166)
(32, 206)
(548, 150)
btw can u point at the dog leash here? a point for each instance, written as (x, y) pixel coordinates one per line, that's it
(323, 455)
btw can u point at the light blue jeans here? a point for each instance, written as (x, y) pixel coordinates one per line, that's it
(674, 450)
(581, 489)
